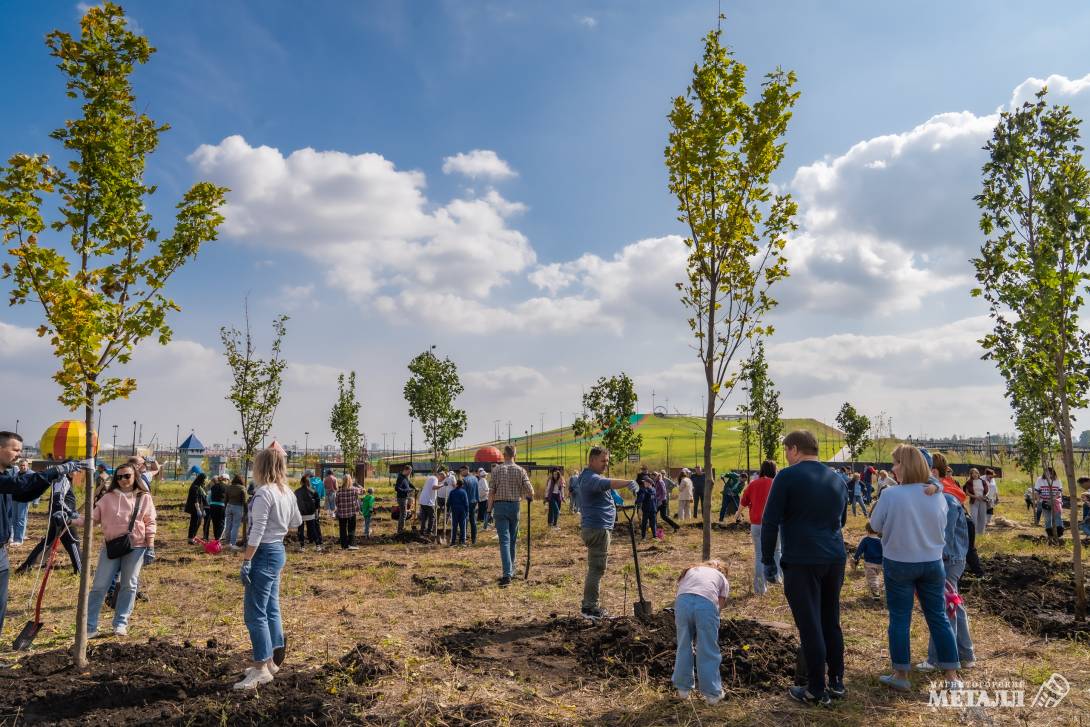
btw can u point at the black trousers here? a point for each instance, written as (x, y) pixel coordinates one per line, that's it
(972, 560)
(813, 593)
(427, 519)
(698, 505)
(194, 525)
(214, 517)
(313, 531)
(729, 506)
(664, 513)
(472, 517)
(69, 539)
(348, 531)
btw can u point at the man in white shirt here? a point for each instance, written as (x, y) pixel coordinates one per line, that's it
(427, 505)
(482, 492)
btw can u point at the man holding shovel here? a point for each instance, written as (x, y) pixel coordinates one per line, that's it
(510, 484)
(20, 487)
(598, 514)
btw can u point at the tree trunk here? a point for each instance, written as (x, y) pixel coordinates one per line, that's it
(79, 649)
(1068, 455)
(709, 430)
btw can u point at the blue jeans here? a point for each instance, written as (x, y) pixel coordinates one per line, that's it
(261, 600)
(506, 515)
(959, 621)
(128, 566)
(18, 521)
(5, 571)
(925, 580)
(1085, 528)
(235, 513)
(458, 526)
(697, 620)
(858, 499)
(759, 585)
(366, 526)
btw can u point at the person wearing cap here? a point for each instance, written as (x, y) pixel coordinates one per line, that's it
(482, 495)
(598, 514)
(685, 496)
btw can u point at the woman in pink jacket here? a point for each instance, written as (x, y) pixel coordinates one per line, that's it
(114, 512)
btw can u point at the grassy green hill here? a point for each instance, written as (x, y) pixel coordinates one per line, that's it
(667, 441)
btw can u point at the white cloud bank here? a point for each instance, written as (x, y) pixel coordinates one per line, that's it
(478, 164)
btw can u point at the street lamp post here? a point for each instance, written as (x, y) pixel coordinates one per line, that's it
(113, 450)
(306, 449)
(16, 426)
(133, 437)
(177, 452)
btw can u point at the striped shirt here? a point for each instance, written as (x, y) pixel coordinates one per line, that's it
(510, 483)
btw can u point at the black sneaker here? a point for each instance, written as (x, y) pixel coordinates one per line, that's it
(595, 613)
(802, 694)
(836, 689)
(505, 581)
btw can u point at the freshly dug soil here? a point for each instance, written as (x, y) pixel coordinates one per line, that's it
(731, 525)
(1035, 595)
(160, 683)
(406, 537)
(754, 654)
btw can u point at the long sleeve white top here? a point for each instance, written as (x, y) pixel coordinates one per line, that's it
(273, 511)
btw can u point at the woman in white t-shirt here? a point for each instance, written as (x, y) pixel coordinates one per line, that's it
(273, 512)
(684, 496)
(702, 591)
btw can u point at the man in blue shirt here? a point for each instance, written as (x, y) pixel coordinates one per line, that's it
(472, 488)
(807, 507)
(598, 513)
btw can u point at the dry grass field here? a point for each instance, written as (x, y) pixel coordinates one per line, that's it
(410, 633)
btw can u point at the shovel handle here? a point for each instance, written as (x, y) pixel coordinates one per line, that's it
(45, 579)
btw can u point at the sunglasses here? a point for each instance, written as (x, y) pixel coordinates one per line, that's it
(126, 476)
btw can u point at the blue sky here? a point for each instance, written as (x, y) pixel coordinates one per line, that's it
(570, 97)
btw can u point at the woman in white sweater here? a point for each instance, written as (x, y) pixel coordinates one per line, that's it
(273, 512)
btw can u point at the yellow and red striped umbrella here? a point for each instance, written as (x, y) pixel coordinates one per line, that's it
(67, 440)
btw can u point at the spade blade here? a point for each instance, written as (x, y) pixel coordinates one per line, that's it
(26, 636)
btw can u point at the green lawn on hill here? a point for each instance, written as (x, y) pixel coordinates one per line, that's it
(667, 442)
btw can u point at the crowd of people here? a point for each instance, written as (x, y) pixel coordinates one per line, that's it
(921, 526)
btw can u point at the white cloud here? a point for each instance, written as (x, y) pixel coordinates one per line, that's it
(478, 164)
(587, 21)
(1057, 86)
(368, 223)
(506, 381)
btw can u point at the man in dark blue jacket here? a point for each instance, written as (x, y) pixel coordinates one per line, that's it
(402, 488)
(807, 507)
(472, 487)
(20, 487)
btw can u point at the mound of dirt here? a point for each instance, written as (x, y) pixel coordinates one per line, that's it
(731, 526)
(754, 654)
(160, 683)
(1035, 595)
(431, 584)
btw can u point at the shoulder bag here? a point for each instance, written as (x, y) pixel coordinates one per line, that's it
(121, 546)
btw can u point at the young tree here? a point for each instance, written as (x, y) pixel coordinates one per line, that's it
(105, 296)
(856, 428)
(1032, 270)
(344, 420)
(256, 382)
(430, 392)
(610, 404)
(763, 405)
(1036, 437)
(721, 155)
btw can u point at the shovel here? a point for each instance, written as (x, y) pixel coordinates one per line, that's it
(642, 607)
(26, 636)
(526, 575)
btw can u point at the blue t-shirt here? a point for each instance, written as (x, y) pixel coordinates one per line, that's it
(595, 500)
(870, 550)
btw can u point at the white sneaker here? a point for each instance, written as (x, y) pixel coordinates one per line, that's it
(968, 664)
(683, 693)
(97, 634)
(255, 676)
(716, 699)
(121, 630)
(270, 665)
(926, 666)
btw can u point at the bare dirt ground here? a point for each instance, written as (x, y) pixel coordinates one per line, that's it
(408, 633)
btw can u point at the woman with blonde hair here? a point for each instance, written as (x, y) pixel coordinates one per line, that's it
(273, 511)
(913, 527)
(702, 592)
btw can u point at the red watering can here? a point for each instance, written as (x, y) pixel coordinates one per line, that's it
(212, 547)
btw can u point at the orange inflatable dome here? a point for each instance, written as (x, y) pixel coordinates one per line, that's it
(488, 454)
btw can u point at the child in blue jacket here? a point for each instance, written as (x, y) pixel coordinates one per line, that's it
(648, 507)
(870, 551)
